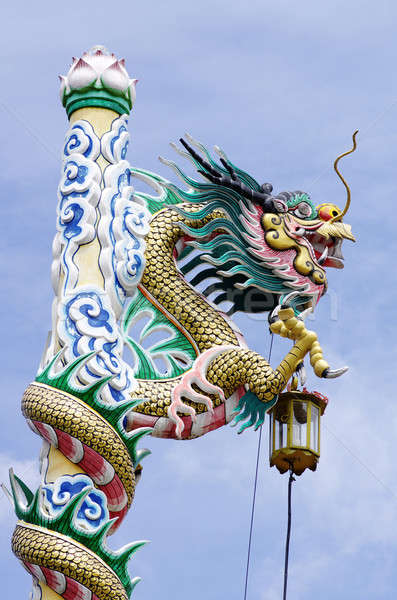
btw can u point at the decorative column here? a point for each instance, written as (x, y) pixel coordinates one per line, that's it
(82, 392)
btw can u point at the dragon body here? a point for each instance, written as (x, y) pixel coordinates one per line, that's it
(143, 340)
(244, 249)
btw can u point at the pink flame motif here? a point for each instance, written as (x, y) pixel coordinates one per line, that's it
(99, 68)
(197, 376)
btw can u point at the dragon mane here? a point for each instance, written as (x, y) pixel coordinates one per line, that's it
(228, 248)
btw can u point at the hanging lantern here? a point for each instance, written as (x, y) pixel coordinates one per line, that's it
(295, 431)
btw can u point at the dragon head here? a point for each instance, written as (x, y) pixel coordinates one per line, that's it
(308, 238)
(254, 248)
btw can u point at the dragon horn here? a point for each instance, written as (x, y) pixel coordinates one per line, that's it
(343, 179)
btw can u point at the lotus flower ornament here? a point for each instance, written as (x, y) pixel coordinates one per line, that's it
(98, 78)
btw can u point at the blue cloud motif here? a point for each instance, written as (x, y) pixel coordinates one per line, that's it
(93, 511)
(90, 326)
(134, 221)
(134, 264)
(96, 318)
(127, 263)
(82, 139)
(124, 220)
(74, 172)
(78, 195)
(72, 216)
(74, 143)
(99, 320)
(123, 142)
(114, 143)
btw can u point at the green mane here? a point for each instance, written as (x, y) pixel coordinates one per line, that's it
(224, 257)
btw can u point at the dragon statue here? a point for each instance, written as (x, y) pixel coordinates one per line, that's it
(142, 340)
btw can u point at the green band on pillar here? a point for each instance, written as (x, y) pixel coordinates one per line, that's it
(94, 97)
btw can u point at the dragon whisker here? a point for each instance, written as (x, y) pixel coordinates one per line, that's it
(338, 217)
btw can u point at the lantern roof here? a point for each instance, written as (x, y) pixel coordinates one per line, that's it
(305, 394)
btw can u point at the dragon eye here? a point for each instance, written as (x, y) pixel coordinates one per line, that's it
(303, 210)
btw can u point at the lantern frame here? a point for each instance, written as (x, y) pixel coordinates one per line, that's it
(290, 454)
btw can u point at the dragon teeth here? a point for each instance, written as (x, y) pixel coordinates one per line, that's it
(337, 253)
(324, 256)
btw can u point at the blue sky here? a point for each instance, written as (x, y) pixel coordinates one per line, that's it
(280, 87)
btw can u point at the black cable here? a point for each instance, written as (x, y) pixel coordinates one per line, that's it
(291, 479)
(254, 494)
(252, 514)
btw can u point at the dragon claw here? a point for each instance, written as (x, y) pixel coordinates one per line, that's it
(184, 389)
(289, 326)
(333, 373)
(301, 372)
(304, 314)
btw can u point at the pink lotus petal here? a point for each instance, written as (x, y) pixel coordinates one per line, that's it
(100, 62)
(63, 81)
(114, 77)
(81, 75)
(133, 83)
